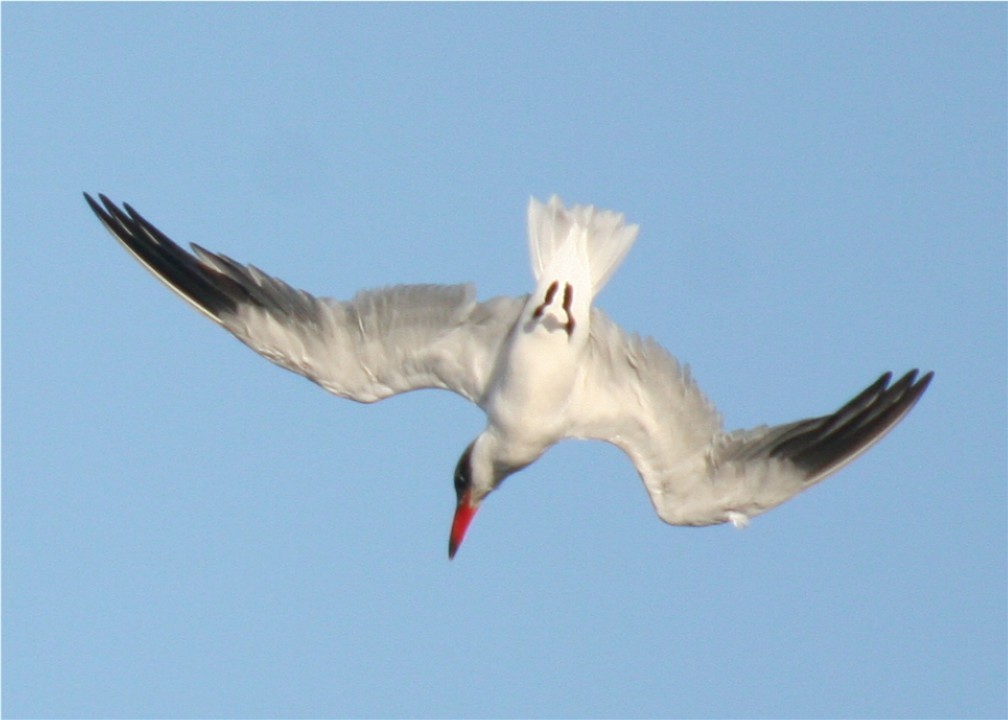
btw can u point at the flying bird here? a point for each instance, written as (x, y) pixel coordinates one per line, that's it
(543, 367)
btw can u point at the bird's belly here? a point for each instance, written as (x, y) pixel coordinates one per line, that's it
(531, 393)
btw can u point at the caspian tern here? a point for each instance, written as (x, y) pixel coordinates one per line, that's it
(543, 367)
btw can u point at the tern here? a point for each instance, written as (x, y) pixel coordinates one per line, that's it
(544, 367)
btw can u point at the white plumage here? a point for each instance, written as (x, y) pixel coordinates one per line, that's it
(543, 367)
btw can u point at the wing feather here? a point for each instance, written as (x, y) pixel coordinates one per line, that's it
(637, 397)
(379, 343)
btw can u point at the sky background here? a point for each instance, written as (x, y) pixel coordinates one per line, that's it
(190, 531)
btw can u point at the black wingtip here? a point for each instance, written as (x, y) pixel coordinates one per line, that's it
(823, 443)
(917, 389)
(182, 272)
(95, 207)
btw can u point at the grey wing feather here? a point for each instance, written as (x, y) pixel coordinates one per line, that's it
(820, 446)
(695, 473)
(379, 343)
(754, 470)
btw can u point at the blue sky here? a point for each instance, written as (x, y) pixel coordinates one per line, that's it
(190, 531)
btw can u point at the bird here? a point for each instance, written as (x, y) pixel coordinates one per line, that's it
(544, 367)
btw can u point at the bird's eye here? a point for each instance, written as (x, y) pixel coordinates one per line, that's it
(462, 478)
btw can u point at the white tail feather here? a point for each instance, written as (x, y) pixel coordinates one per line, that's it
(606, 237)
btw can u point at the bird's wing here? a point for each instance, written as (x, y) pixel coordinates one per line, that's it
(380, 343)
(637, 397)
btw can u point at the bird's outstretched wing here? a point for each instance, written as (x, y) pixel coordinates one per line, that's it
(380, 343)
(637, 397)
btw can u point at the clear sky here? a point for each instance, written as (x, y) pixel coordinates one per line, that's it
(190, 531)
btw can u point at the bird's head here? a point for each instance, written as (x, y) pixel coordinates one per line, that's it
(476, 476)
